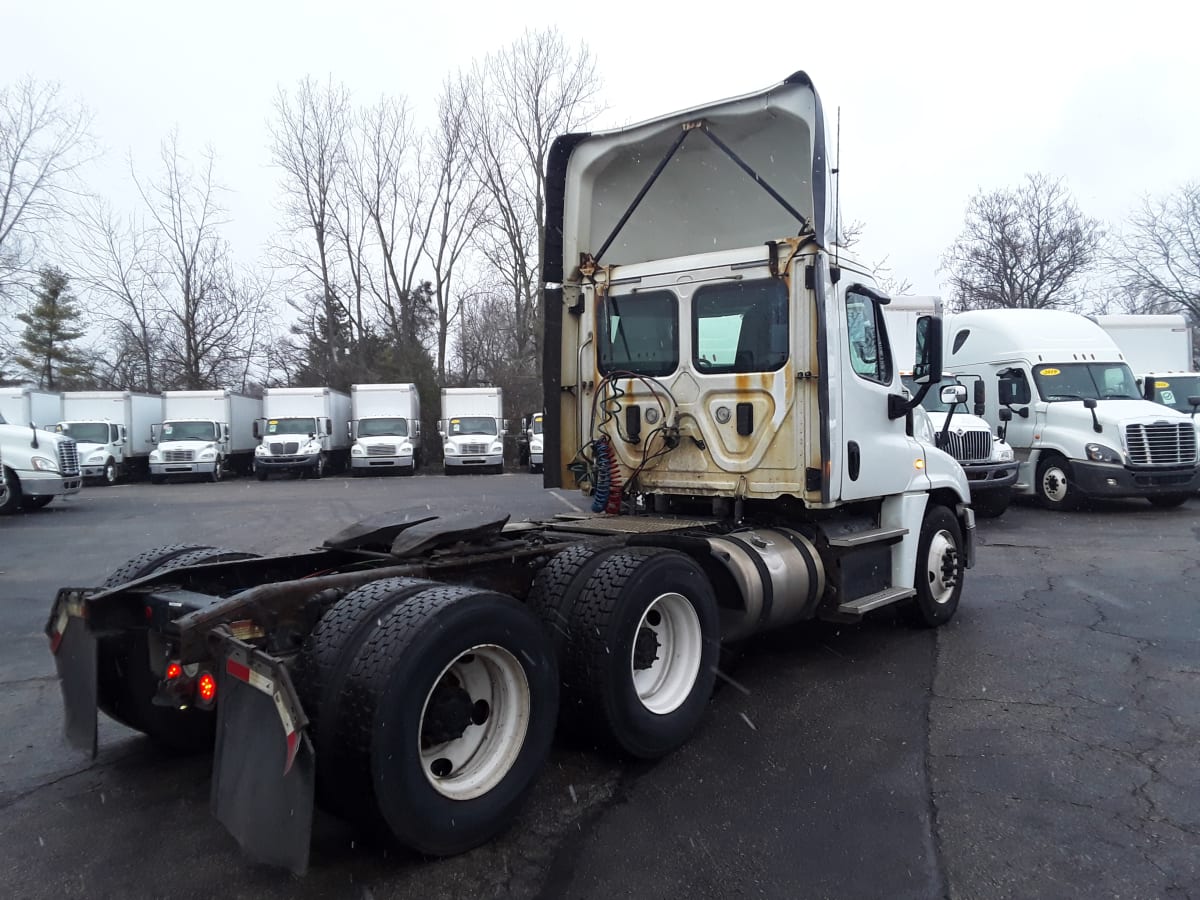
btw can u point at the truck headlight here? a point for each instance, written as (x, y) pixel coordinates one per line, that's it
(1002, 452)
(535, 446)
(154, 456)
(260, 450)
(1100, 453)
(357, 450)
(406, 449)
(42, 464)
(310, 448)
(449, 449)
(208, 454)
(96, 458)
(497, 447)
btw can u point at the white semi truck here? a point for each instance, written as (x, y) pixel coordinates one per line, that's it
(203, 433)
(724, 391)
(1079, 424)
(472, 429)
(1159, 350)
(112, 431)
(38, 465)
(303, 430)
(385, 427)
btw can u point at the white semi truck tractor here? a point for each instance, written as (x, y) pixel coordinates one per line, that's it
(303, 430)
(203, 433)
(723, 391)
(39, 464)
(385, 428)
(112, 429)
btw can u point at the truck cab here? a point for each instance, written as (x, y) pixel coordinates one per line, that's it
(472, 430)
(1079, 425)
(101, 447)
(530, 445)
(188, 447)
(385, 428)
(38, 466)
(304, 431)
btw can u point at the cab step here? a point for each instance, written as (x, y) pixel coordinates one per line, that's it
(873, 536)
(875, 601)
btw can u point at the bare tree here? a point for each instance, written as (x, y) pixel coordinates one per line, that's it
(519, 100)
(44, 139)
(1025, 247)
(309, 145)
(1157, 259)
(455, 207)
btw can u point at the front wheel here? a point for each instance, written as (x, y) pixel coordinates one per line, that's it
(260, 473)
(1168, 501)
(11, 502)
(110, 472)
(215, 475)
(940, 567)
(1055, 484)
(318, 469)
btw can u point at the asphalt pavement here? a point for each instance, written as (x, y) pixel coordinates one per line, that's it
(1043, 744)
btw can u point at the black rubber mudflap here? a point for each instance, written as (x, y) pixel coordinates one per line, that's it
(267, 810)
(75, 659)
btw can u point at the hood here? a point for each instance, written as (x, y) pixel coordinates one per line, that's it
(87, 447)
(303, 438)
(960, 422)
(184, 445)
(14, 433)
(1118, 413)
(698, 195)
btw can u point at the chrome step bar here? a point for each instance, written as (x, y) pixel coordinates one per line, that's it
(875, 601)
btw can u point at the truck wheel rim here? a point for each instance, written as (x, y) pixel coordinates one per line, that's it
(482, 697)
(110, 473)
(667, 648)
(942, 567)
(1054, 484)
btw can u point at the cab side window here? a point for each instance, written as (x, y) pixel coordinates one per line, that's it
(870, 356)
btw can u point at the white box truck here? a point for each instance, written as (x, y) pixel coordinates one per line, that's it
(31, 406)
(959, 429)
(1159, 350)
(472, 429)
(38, 465)
(1079, 426)
(751, 468)
(385, 428)
(112, 431)
(303, 430)
(203, 433)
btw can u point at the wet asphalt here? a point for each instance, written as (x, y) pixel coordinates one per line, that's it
(1043, 744)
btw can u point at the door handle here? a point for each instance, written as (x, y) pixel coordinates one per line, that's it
(853, 461)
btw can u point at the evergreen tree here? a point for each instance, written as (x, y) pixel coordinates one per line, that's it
(51, 327)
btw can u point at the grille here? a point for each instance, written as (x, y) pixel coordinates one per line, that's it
(475, 448)
(1161, 444)
(179, 455)
(381, 450)
(280, 449)
(68, 458)
(971, 446)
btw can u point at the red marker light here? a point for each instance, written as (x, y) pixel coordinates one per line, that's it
(174, 670)
(149, 613)
(206, 688)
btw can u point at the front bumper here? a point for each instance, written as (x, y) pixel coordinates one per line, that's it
(381, 462)
(49, 484)
(1106, 480)
(991, 476)
(184, 468)
(464, 462)
(535, 459)
(286, 463)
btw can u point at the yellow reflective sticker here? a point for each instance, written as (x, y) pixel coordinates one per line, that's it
(273, 422)
(1050, 372)
(1162, 384)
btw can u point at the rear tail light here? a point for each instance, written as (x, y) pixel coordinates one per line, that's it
(174, 670)
(206, 688)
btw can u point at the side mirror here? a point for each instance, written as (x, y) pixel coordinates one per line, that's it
(1194, 403)
(928, 366)
(258, 431)
(980, 398)
(329, 426)
(441, 428)
(154, 433)
(1005, 414)
(1089, 403)
(224, 432)
(954, 393)
(350, 430)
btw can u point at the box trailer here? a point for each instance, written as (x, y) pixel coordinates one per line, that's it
(31, 406)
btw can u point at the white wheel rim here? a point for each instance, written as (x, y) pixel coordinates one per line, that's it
(473, 763)
(670, 628)
(942, 550)
(1054, 484)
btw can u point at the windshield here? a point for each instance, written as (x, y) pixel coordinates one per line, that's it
(537, 425)
(383, 428)
(1174, 390)
(292, 426)
(472, 425)
(1083, 381)
(189, 431)
(86, 432)
(639, 333)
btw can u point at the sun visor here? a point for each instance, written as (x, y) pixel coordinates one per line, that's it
(722, 176)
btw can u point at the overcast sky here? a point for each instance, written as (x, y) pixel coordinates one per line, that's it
(938, 100)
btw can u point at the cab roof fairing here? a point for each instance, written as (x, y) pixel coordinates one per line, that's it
(702, 200)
